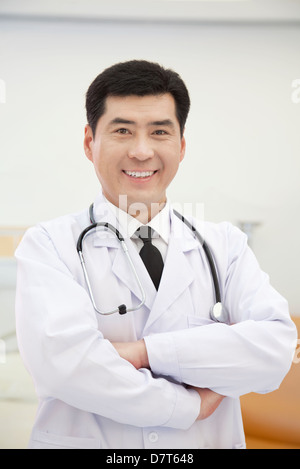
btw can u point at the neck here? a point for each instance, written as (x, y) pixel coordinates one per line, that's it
(145, 213)
(140, 210)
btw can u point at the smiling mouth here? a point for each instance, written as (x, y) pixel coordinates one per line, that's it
(139, 174)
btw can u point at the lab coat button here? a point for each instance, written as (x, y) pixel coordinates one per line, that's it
(153, 437)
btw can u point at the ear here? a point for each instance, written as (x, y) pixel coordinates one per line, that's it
(183, 147)
(88, 142)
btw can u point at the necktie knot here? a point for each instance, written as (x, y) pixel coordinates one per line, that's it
(145, 233)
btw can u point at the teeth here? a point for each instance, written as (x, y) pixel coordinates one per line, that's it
(137, 174)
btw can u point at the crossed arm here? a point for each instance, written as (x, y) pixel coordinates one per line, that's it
(136, 354)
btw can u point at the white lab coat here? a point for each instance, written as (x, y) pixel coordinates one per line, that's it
(89, 397)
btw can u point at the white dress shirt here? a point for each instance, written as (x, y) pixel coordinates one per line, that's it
(160, 224)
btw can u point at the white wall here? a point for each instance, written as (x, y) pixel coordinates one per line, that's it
(243, 141)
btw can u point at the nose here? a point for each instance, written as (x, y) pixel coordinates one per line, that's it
(141, 149)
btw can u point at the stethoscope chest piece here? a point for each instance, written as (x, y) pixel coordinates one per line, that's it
(218, 313)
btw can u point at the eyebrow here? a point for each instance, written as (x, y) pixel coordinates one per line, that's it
(119, 120)
(164, 122)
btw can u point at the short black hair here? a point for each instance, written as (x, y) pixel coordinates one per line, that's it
(136, 78)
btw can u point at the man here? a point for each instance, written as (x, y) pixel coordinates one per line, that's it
(164, 375)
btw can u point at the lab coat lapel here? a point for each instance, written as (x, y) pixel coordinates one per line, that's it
(122, 270)
(120, 266)
(177, 274)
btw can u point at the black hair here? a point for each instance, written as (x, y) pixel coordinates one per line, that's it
(139, 78)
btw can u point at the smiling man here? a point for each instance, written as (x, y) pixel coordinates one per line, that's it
(163, 375)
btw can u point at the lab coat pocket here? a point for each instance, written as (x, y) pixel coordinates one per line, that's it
(45, 440)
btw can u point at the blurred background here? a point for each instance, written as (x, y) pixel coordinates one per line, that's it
(240, 60)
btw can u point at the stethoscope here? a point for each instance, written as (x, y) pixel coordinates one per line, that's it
(217, 312)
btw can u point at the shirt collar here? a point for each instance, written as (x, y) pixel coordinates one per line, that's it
(128, 224)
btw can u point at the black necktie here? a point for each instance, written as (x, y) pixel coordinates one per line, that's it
(150, 255)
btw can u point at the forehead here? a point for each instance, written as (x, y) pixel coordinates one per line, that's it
(140, 108)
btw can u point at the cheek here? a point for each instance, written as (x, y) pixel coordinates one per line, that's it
(171, 165)
(105, 158)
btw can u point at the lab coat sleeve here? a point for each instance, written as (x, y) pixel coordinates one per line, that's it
(69, 359)
(253, 354)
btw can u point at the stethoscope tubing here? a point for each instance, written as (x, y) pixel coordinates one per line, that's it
(122, 309)
(216, 312)
(207, 253)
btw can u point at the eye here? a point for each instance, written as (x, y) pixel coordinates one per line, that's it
(122, 131)
(160, 132)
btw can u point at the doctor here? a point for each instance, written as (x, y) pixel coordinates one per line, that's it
(165, 375)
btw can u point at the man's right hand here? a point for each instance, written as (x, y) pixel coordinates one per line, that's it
(210, 400)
